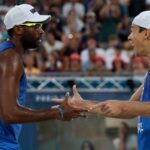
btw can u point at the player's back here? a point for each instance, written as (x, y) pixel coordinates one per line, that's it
(9, 133)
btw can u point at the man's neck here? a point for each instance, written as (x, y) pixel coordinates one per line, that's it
(147, 50)
(19, 47)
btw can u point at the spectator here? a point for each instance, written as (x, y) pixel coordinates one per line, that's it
(8, 2)
(110, 16)
(147, 3)
(51, 44)
(65, 64)
(110, 51)
(51, 64)
(98, 66)
(91, 28)
(3, 34)
(139, 65)
(73, 5)
(88, 54)
(123, 29)
(135, 7)
(30, 68)
(129, 53)
(3, 11)
(75, 63)
(122, 7)
(125, 141)
(116, 51)
(97, 5)
(56, 24)
(87, 145)
(72, 44)
(44, 6)
(31, 2)
(73, 23)
(118, 65)
(122, 53)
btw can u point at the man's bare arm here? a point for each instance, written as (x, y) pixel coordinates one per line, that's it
(77, 101)
(137, 94)
(96, 107)
(137, 109)
(10, 111)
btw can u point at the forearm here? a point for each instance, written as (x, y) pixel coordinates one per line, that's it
(129, 110)
(140, 109)
(126, 111)
(124, 116)
(21, 114)
(134, 109)
(88, 104)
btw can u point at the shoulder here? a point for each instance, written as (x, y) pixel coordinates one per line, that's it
(10, 56)
(10, 61)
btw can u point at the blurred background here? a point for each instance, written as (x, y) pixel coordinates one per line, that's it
(86, 43)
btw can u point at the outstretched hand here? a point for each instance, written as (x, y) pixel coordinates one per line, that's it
(69, 112)
(76, 101)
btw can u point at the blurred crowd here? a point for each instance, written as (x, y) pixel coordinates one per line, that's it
(83, 36)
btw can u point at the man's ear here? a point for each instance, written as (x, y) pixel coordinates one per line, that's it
(18, 30)
(147, 34)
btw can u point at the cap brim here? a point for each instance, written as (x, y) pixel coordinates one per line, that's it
(40, 18)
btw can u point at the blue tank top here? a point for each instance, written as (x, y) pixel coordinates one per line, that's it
(9, 133)
(144, 122)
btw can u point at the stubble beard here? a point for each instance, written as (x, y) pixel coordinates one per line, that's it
(29, 42)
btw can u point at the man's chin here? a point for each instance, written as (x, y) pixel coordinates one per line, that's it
(141, 54)
(32, 49)
(34, 46)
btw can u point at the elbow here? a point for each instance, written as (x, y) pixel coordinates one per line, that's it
(7, 121)
(9, 117)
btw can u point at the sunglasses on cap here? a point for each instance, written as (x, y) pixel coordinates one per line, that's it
(34, 25)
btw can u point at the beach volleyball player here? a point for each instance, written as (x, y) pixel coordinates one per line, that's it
(139, 103)
(23, 24)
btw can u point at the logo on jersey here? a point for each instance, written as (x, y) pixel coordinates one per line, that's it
(140, 127)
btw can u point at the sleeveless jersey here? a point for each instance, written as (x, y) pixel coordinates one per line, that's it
(144, 122)
(9, 133)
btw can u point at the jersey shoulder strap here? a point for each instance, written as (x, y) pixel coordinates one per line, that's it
(6, 45)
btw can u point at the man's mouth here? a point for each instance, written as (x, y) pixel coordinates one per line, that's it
(131, 43)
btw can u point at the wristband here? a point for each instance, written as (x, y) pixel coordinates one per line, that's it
(61, 112)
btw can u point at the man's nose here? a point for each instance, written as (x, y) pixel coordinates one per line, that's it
(41, 30)
(129, 37)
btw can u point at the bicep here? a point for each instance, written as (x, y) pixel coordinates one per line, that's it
(136, 96)
(9, 87)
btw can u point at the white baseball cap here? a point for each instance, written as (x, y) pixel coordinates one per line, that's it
(142, 20)
(23, 13)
